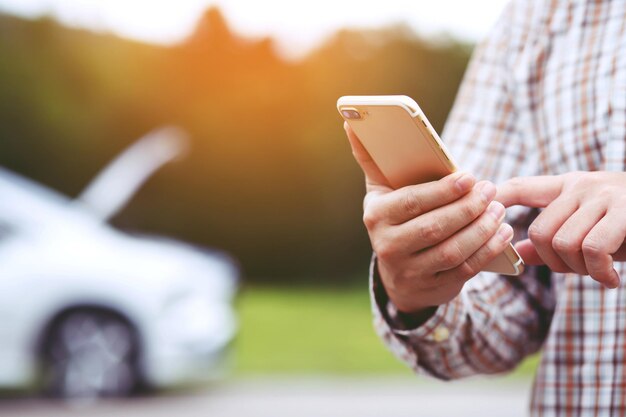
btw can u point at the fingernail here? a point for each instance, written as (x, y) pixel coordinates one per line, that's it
(615, 281)
(487, 191)
(496, 210)
(505, 232)
(465, 182)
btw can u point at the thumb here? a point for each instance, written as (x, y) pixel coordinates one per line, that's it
(528, 252)
(374, 178)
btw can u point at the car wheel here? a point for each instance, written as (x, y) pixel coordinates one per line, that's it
(90, 354)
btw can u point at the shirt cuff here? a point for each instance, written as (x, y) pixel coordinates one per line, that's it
(437, 329)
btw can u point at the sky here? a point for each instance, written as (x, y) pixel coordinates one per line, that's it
(297, 26)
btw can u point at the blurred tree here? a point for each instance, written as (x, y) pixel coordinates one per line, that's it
(270, 176)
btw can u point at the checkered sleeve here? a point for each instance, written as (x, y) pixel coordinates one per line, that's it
(492, 325)
(495, 321)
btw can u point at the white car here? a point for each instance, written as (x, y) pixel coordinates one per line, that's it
(88, 311)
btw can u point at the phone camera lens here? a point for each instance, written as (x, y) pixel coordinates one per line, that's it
(351, 114)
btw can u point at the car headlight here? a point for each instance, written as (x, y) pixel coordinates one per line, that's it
(198, 323)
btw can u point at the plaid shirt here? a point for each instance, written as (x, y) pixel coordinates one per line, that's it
(545, 94)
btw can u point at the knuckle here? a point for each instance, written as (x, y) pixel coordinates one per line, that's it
(606, 194)
(573, 175)
(405, 277)
(537, 234)
(592, 247)
(430, 232)
(386, 249)
(412, 203)
(515, 182)
(371, 216)
(452, 256)
(579, 180)
(373, 211)
(487, 227)
(471, 210)
(514, 185)
(483, 231)
(564, 245)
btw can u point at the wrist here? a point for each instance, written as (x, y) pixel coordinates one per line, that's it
(415, 319)
(410, 312)
(410, 309)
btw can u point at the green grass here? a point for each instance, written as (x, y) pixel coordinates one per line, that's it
(309, 331)
(315, 331)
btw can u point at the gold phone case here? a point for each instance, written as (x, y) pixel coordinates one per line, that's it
(408, 150)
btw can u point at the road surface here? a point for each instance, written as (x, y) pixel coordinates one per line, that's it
(309, 397)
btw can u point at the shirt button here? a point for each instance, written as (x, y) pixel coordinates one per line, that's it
(441, 334)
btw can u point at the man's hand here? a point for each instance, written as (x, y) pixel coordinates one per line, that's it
(583, 226)
(430, 238)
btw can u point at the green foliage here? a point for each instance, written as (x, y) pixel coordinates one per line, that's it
(270, 176)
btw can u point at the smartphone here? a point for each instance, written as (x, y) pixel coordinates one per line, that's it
(407, 150)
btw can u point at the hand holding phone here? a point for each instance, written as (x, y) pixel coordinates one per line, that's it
(432, 236)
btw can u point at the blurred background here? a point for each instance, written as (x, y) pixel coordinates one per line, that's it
(261, 195)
